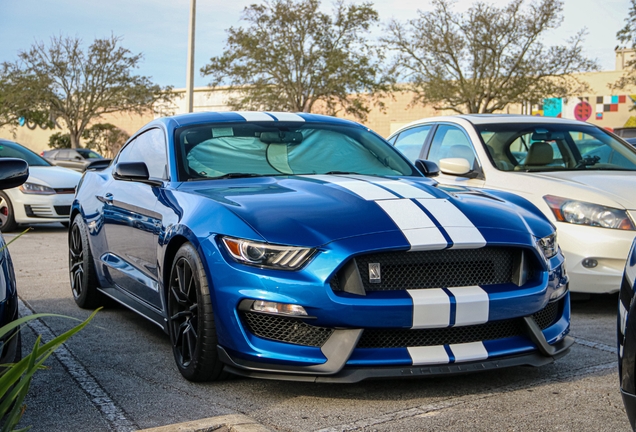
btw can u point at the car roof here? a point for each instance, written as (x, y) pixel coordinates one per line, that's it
(477, 119)
(247, 116)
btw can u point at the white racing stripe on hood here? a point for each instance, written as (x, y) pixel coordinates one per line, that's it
(460, 229)
(473, 305)
(284, 116)
(428, 355)
(398, 187)
(417, 227)
(255, 116)
(366, 190)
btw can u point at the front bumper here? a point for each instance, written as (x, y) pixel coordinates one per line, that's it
(353, 375)
(345, 335)
(608, 247)
(32, 208)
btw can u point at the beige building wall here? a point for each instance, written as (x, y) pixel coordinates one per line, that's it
(606, 108)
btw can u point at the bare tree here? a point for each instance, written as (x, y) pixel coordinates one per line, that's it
(627, 37)
(293, 57)
(62, 81)
(487, 58)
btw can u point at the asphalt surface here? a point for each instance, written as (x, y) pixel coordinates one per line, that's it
(118, 374)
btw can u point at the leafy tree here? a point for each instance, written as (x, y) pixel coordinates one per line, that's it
(627, 37)
(62, 80)
(293, 57)
(60, 140)
(487, 58)
(105, 138)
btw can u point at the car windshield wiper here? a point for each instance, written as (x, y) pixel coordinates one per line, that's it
(342, 173)
(229, 175)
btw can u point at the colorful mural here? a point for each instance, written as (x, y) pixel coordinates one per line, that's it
(580, 108)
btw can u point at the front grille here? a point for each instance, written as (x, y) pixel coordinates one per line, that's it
(63, 210)
(548, 316)
(439, 269)
(285, 329)
(401, 338)
(38, 211)
(295, 331)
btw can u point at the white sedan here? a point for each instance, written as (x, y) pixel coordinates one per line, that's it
(46, 196)
(579, 175)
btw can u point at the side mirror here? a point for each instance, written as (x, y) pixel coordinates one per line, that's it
(426, 167)
(134, 172)
(98, 164)
(455, 166)
(13, 172)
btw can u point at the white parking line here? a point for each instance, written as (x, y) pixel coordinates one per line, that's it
(111, 413)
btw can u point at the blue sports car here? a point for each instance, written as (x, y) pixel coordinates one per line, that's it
(305, 247)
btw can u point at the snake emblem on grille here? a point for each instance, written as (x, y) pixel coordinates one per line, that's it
(375, 276)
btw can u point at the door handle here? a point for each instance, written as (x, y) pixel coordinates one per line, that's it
(106, 199)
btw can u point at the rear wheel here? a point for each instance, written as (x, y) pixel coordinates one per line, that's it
(191, 319)
(7, 217)
(82, 267)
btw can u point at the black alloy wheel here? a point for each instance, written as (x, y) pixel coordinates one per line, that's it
(81, 267)
(7, 218)
(191, 319)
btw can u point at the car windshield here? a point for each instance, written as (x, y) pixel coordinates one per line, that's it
(89, 154)
(13, 150)
(554, 147)
(266, 149)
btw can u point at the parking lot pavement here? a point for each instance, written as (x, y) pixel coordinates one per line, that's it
(122, 377)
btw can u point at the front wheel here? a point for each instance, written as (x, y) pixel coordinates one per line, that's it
(7, 217)
(81, 267)
(191, 319)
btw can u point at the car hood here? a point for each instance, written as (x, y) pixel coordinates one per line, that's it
(594, 186)
(54, 176)
(315, 210)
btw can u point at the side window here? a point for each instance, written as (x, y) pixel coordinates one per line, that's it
(410, 141)
(150, 148)
(451, 142)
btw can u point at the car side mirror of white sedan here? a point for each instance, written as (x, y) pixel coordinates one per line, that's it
(455, 166)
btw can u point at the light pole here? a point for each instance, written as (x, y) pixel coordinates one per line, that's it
(190, 70)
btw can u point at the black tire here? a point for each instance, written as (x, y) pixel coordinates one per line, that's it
(191, 319)
(7, 217)
(82, 268)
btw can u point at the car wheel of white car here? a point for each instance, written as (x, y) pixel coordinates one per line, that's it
(7, 220)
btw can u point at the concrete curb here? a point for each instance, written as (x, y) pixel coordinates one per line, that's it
(226, 423)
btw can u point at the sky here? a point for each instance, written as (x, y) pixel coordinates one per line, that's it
(159, 28)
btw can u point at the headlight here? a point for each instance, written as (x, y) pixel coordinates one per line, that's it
(266, 255)
(584, 213)
(32, 188)
(548, 246)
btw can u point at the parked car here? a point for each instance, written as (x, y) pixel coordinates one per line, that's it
(13, 173)
(45, 197)
(627, 337)
(580, 176)
(631, 141)
(305, 247)
(79, 159)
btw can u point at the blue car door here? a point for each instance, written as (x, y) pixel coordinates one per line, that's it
(132, 224)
